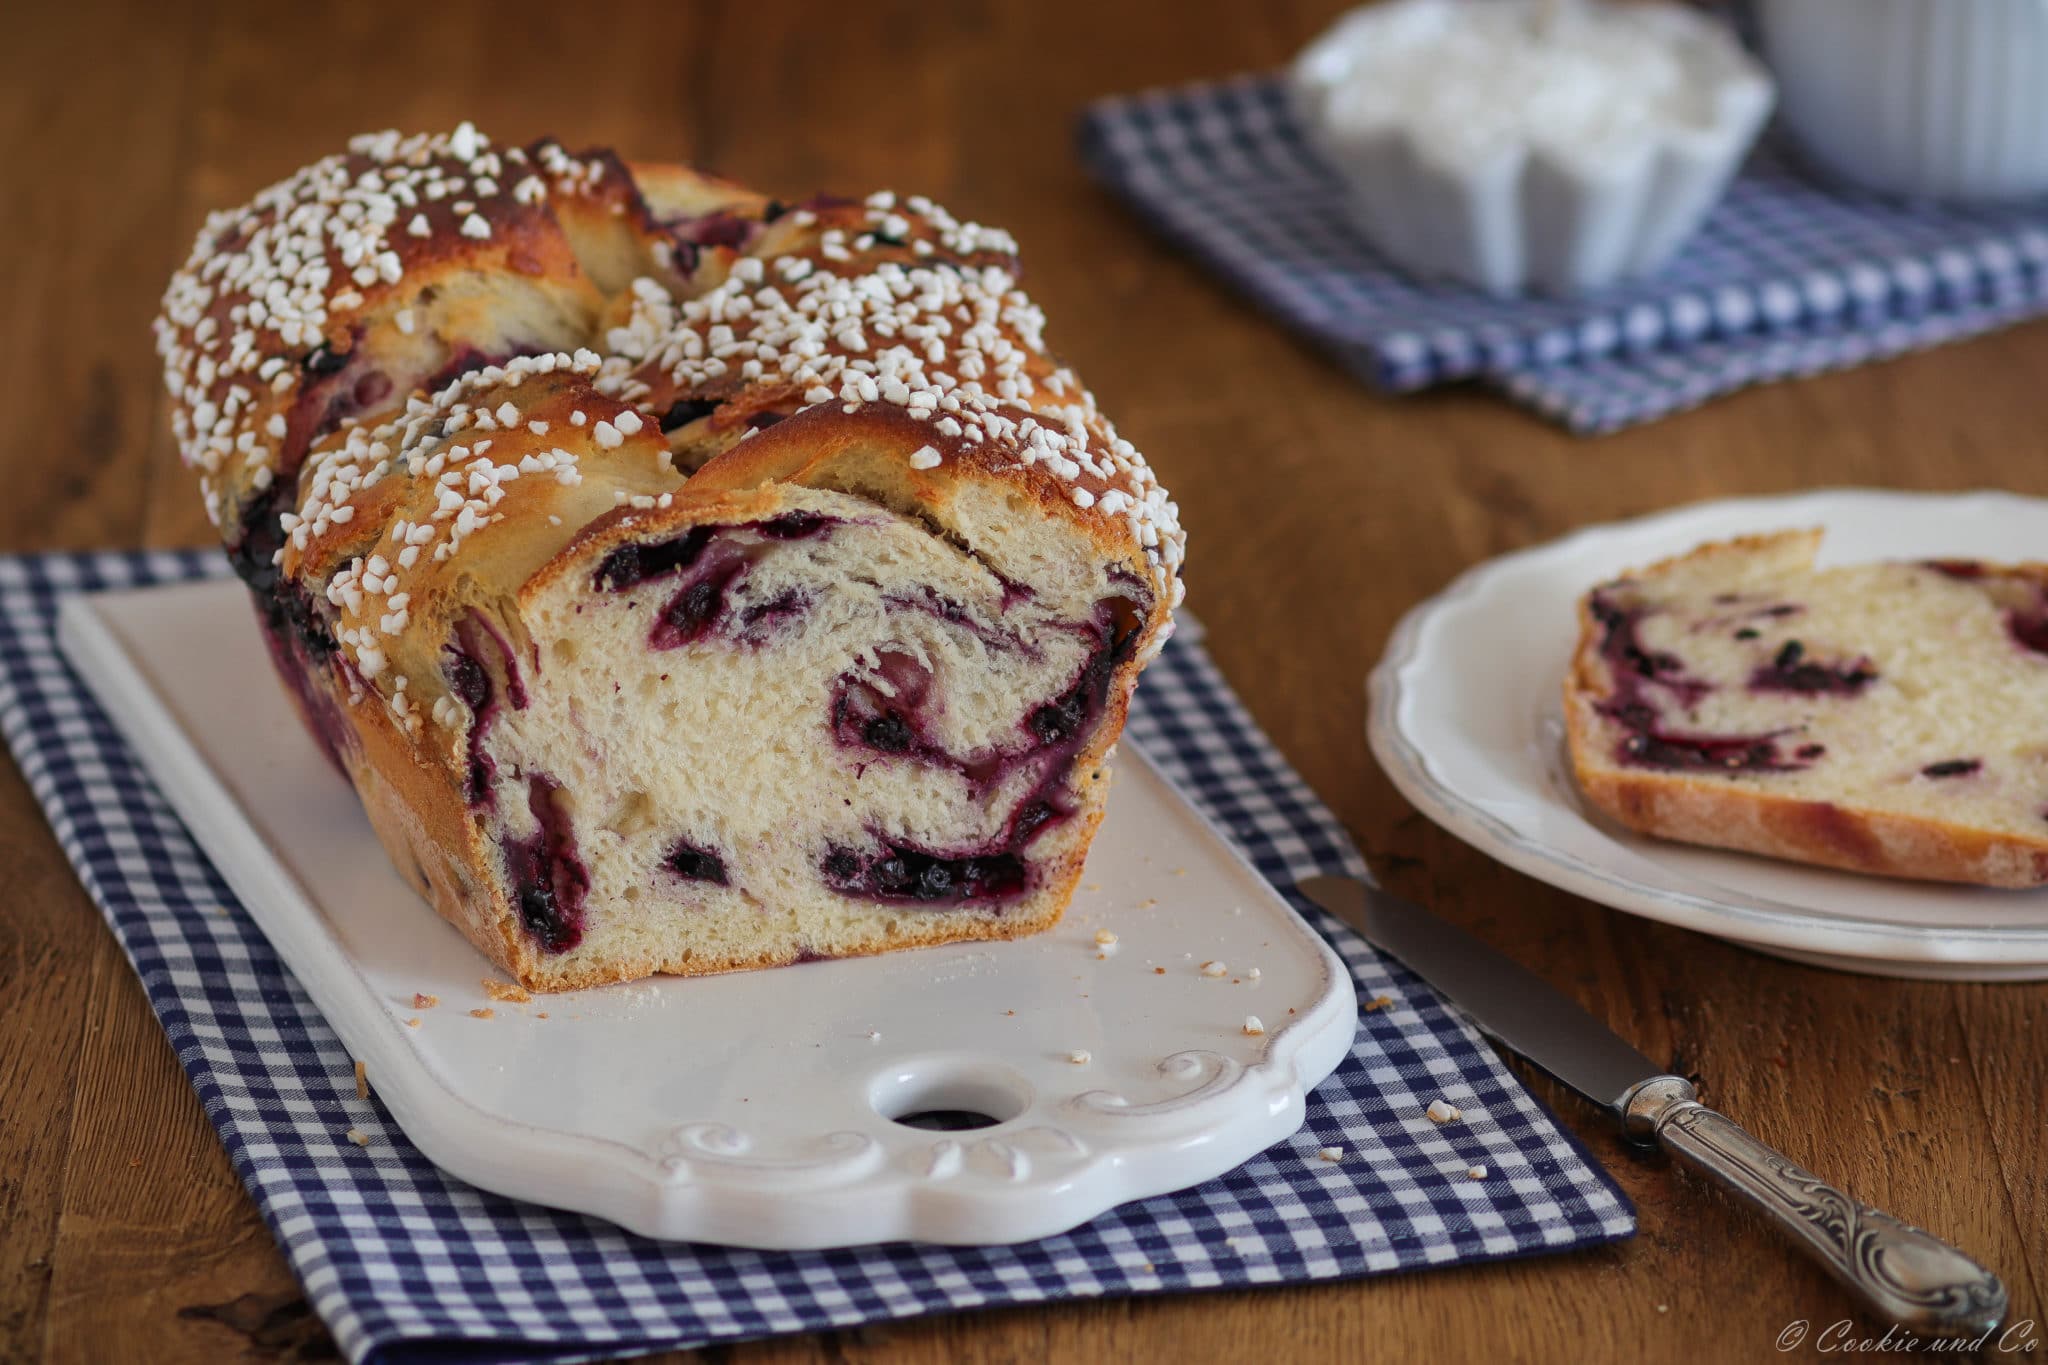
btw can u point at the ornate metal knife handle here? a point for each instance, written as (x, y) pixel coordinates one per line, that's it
(1899, 1272)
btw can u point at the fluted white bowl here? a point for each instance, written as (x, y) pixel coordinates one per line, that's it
(1937, 98)
(1557, 166)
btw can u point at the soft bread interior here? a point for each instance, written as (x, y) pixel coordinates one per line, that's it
(737, 745)
(1950, 724)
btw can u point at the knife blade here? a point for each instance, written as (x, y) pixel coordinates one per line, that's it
(1899, 1272)
(1501, 996)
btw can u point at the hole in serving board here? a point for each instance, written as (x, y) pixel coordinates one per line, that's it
(946, 1120)
(949, 1094)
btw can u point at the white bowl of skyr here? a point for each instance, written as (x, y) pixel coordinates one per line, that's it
(1530, 146)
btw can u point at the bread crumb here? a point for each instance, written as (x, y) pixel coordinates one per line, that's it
(1080, 1057)
(1159, 971)
(505, 992)
(542, 1015)
(413, 1022)
(1105, 937)
(1091, 886)
(1330, 1153)
(362, 1082)
(485, 1013)
(1475, 1173)
(1441, 1113)
(1252, 1027)
(1378, 1002)
(424, 1002)
(359, 1137)
(1148, 902)
(1214, 969)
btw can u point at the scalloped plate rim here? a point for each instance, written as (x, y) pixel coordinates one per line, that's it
(1691, 902)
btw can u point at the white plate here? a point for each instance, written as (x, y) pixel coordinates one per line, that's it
(1466, 718)
(752, 1109)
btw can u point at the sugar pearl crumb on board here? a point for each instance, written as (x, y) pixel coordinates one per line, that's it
(874, 1035)
(1330, 1153)
(1441, 1112)
(358, 1137)
(1252, 1027)
(1105, 937)
(422, 1001)
(362, 1082)
(505, 992)
(1080, 1057)
(486, 1012)
(1214, 969)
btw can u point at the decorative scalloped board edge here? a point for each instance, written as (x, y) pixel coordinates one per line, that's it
(749, 1109)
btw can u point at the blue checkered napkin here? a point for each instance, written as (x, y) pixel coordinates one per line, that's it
(1223, 170)
(405, 1263)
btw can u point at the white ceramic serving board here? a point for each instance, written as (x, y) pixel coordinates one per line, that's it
(1479, 747)
(754, 1109)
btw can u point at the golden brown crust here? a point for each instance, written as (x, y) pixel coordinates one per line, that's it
(1700, 810)
(1711, 811)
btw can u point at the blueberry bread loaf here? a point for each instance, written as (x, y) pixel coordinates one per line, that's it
(686, 580)
(1888, 718)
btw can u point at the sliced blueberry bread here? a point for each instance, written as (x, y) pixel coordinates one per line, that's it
(686, 581)
(1888, 718)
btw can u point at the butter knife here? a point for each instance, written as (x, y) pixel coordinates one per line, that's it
(1899, 1272)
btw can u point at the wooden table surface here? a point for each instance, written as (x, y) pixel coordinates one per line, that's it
(1317, 511)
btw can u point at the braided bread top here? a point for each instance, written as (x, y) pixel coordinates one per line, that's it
(397, 349)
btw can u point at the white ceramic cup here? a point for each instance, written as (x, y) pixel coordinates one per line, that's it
(1935, 98)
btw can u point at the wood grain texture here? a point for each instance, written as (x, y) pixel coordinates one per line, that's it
(1318, 513)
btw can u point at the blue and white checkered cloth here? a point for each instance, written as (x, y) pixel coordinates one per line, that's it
(1789, 276)
(404, 1262)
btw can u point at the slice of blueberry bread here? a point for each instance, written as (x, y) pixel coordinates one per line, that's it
(686, 581)
(1888, 718)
